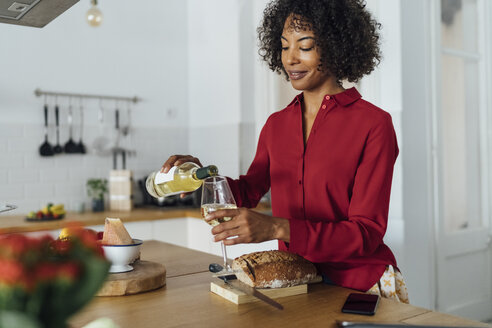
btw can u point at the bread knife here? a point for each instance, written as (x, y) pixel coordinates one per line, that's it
(232, 281)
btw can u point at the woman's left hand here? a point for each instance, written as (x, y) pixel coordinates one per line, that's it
(249, 227)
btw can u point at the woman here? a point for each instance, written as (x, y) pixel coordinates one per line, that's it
(328, 156)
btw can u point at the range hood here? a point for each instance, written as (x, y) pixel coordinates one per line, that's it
(35, 13)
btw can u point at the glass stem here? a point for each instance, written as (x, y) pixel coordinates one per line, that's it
(224, 255)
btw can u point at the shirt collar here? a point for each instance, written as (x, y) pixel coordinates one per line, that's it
(343, 99)
(347, 97)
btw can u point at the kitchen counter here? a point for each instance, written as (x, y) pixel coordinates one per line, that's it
(186, 300)
(17, 223)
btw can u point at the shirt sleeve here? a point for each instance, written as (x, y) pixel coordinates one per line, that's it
(249, 188)
(362, 232)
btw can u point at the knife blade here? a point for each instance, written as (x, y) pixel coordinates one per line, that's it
(231, 281)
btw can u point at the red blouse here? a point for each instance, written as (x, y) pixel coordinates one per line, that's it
(335, 190)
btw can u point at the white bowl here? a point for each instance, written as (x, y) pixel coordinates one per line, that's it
(121, 256)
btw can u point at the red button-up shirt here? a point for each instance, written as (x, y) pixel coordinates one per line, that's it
(334, 190)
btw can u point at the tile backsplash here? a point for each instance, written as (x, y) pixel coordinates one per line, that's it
(30, 181)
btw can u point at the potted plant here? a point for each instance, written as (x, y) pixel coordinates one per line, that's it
(96, 188)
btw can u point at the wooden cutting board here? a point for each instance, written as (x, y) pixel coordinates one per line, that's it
(238, 297)
(145, 276)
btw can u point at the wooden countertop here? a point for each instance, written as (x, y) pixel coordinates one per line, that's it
(17, 223)
(186, 301)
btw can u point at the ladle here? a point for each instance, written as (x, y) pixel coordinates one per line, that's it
(70, 146)
(46, 149)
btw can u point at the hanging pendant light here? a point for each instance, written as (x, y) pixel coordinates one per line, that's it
(94, 15)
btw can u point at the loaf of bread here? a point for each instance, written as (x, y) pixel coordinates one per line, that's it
(273, 269)
(115, 233)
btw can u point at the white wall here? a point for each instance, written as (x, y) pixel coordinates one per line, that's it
(138, 50)
(383, 88)
(221, 85)
(417, 168)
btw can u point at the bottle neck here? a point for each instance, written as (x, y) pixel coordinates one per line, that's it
(205, 172)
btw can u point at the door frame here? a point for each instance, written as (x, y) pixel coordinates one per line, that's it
(420, 153)
(474, 240)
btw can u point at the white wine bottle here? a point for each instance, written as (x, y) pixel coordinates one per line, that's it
(186, 177)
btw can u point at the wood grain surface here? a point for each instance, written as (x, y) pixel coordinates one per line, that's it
(238, 297)
(178, 260)
(17, 223)
(186, 301)
(144, 277)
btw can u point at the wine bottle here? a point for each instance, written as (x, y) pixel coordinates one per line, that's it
(186, 177)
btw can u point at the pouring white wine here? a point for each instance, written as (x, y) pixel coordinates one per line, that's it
(186, 177)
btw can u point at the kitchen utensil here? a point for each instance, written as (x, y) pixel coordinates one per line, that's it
(101, 144)
(121, 256)
(116, 142)
(232, 281)
(46, 149)
(122, 152)
(7, 207)
(146, 276)
(70, 146)
(125, 130)
(80, 145)
(217, 195)
(58, 148)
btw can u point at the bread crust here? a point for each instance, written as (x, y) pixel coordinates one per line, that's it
(273, 269)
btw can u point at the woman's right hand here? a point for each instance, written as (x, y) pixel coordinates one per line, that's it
(176, 160)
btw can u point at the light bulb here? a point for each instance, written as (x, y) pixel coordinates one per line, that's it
(94, 15)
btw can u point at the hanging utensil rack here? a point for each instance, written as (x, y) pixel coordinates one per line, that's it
(38, 92)
(115, 150)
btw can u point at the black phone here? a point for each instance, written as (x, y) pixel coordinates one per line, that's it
(361, 304)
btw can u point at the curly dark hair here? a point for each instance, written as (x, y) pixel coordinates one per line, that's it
(345, 33)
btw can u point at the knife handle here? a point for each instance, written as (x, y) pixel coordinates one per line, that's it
(228, 277)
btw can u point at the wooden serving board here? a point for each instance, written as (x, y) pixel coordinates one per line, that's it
(145, 276)
(238, 297)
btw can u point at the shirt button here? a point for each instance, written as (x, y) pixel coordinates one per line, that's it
(327, 97)
(324, 106)
(300, 182)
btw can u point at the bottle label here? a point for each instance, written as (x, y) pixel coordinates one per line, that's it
(165, 177)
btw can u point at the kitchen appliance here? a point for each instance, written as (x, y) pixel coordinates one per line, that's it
(34, 13)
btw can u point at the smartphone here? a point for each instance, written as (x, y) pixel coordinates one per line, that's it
(361, 304)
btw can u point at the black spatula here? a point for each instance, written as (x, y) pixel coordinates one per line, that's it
(58, 148)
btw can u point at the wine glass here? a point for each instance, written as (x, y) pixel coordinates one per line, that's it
(217, 195)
